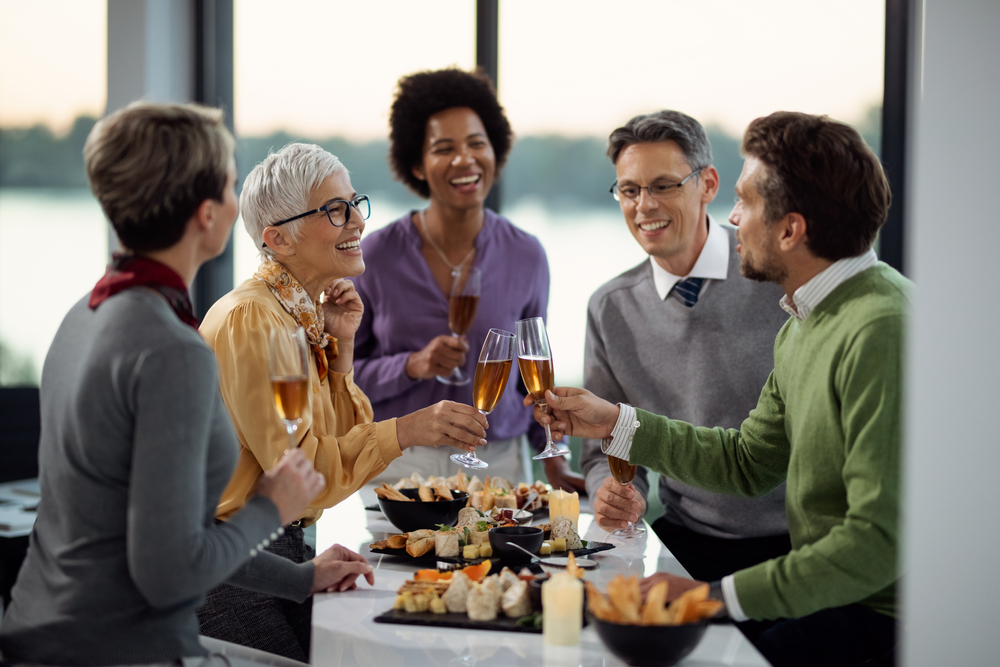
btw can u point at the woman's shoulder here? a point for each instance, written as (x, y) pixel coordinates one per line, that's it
(505, 231)
(247, 306)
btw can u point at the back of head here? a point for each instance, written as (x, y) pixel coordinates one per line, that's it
(423, 94)
(152, 165)
(823, 170)
(280, 186)
(659, 126)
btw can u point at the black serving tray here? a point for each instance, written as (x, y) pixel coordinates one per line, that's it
(462, 621)
(498, 563)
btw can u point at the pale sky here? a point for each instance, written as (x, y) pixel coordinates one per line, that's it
(320, 67)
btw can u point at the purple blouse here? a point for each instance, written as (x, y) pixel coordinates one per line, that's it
(405, 309)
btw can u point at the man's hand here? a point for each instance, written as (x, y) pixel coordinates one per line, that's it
(342, 310)
(615, 505)
(575, 412)
(676, 586)
(561, 477)
(291, 485)
(444, 423)
(441, 356)
(337, 568)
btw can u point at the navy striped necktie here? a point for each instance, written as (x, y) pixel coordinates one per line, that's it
(688, 290)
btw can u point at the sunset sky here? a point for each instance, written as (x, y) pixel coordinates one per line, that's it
(320, 67)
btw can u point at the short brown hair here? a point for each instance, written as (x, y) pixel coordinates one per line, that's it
(823, 170)
(423, 94)
(152, 165)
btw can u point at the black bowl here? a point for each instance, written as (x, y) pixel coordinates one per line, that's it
(524, 536)
(408, 516)
(650, 645)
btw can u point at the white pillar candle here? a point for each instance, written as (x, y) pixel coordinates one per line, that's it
(565, 504)
(562, 610)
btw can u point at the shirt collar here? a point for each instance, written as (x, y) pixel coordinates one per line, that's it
(712, 263)
(810, 295)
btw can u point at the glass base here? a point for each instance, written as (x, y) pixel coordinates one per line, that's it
(456, 378)
(631, 531)
(469, 460)
(551, 452)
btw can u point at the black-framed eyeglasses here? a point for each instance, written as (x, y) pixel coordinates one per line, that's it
(657, 190)
(338, 212)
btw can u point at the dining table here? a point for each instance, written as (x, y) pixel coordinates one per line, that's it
(344, 633)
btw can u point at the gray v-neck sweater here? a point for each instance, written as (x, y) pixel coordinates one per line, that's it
(704, 365)
(136, 449)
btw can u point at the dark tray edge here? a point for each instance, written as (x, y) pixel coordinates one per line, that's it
(460, 621)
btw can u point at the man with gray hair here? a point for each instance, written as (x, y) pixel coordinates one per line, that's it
(664, 337)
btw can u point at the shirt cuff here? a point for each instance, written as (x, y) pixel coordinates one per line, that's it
(732, 600)
(619, 444)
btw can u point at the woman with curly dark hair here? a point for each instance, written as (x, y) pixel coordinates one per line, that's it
(449, 139)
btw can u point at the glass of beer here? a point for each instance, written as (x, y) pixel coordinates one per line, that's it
(492, 373)
(624, 473)
(535, 361)
(461, 312)
(288, 364)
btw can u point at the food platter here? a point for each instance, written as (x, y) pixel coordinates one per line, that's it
(591, 548)
(462, 621)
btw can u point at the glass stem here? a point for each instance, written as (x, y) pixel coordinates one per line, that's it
(291, 427)
(548, 431)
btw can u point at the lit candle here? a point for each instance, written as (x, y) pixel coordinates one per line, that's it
(562, 610)
(565, 504)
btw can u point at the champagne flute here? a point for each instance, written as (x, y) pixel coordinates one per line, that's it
(535, 361)
(624, 473)
(492, 373)
(461, 312)
(288, 364)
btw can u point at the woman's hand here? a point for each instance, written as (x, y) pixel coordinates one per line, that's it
(342, 310)
(445, 423)
(291, 485)
(560, 476)
(576, 412)
(337, 570)
(440, 357)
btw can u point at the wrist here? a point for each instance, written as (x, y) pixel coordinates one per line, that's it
(612, 421)
(409, 367)
(403, 438)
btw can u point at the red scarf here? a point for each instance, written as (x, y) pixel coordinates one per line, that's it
(126, 271)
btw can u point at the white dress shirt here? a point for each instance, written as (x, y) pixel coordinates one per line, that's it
(713, 262)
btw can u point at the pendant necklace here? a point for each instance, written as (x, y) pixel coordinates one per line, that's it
(456, 269)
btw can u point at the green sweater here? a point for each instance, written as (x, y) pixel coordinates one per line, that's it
(828, 420)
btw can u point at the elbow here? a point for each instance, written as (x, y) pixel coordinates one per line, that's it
(162, 592)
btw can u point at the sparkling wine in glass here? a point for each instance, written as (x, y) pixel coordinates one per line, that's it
(624, 473)
(461, 312)
(288, 364)
(534, 359)
(492, 373)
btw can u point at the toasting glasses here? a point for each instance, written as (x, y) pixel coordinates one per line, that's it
(492, 373)
(624, 473)
(461, 312)
(288, 363)
(535, 361)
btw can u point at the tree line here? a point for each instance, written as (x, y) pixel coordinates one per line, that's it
(556, 171)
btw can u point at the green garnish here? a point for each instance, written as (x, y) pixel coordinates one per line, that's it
(482, 525)
(584, 543)
(500, 492)
(468, 537)
(445, 528)
(533, 619)
(480, 513)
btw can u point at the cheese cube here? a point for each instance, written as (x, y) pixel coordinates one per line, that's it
(545, 550)
(559, 544)
(485, 551)
(470, 552)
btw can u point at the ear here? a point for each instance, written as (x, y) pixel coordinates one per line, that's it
(791, 232)
(418, 171)
(710, 177)
(204, 217)
(277, 241)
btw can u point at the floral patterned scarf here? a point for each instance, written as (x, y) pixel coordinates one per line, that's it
(308, 313)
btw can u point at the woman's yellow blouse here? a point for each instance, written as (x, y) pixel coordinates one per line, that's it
(336, 433)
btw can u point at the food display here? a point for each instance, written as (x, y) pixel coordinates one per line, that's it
(624, 605)
(471, 591)
(483, 494)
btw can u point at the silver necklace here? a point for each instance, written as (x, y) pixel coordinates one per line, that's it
(456, 269)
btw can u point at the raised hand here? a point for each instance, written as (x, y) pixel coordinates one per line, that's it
(443, 424)
(576, 412)
(342, 310)
(291, 485)
(439, 357)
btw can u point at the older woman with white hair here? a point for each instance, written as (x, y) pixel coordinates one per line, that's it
(302, 212)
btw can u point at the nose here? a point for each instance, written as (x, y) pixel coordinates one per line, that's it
(734, 218)
(646, 201)
(462, 156)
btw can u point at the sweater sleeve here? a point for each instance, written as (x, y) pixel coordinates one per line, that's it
(172, 554)
(383, 376)
(336, 431)
(858, 557)
(750, 461)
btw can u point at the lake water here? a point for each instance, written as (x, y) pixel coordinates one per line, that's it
(54, 247)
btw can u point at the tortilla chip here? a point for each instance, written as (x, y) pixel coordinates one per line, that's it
(626, 598)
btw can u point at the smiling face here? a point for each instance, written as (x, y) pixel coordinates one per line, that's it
(672, 230)
(756, 242)
(325, 250)
(458, 160)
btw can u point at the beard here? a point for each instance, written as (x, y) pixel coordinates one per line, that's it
(768, 270)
